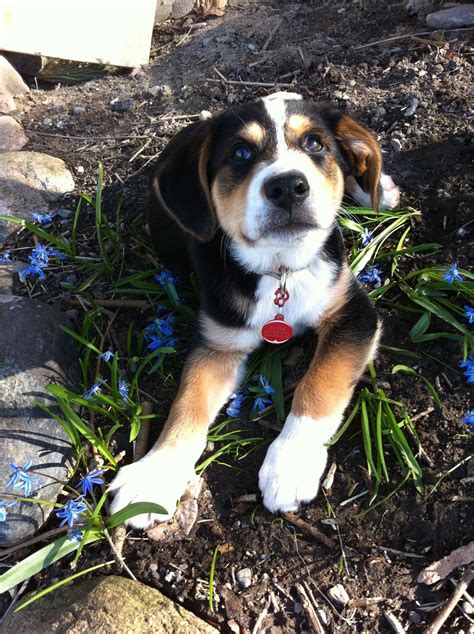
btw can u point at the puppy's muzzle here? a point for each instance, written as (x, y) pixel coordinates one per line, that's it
(287, 191)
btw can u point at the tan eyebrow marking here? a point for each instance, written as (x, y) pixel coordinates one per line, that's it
(298, 124)
(253, 132)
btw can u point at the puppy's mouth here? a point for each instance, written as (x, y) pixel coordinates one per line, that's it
(288, 225)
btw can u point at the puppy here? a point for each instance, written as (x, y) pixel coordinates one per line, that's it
(248, 200)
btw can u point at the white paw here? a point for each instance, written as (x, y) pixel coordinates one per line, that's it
(390, 197)
(160, 477)
(295, 462)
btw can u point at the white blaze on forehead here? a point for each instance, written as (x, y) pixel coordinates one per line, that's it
(276, 109)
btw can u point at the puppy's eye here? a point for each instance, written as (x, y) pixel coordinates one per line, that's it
(312, 143)
(241, 153)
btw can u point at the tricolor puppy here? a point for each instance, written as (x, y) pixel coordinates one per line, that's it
(248, 200)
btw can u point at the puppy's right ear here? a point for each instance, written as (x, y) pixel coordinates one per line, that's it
(180, 180)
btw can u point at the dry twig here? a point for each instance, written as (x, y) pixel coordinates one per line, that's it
(449, 606)
(311, 530)
(313, 617)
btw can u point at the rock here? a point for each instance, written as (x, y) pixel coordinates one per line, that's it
(121, 105)
(105, 604)
(34, 352)
(244, 577)
(12, 136)
(77, 110)
(30, 181)
(11, 85)
(453, 18)
(396, 143)
(339, 595)
(410, 111)
(181, 8)
(163, 10)
(7, 279)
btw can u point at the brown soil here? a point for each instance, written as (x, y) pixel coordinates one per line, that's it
(315, 47)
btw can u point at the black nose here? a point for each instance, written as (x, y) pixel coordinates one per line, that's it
(287, 190)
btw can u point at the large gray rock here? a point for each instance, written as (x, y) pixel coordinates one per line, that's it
(34, 352)
(163, 10)
(11, 85)
(8, 279)
(12, 135)
(30, 181)
(453, 18)
(105, 605)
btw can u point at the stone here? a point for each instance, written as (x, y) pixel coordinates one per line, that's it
(34, 352)
(410, 111)
(121, 105)
(181, 8)
(163, 10)
(11, 85)
(244, 578)
(12, 135)
(453, 18)
(105, 604)
(77, 110)
(7, 279)
(339, 595)
(30, 182)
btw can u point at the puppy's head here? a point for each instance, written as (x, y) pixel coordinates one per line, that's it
(267, 173)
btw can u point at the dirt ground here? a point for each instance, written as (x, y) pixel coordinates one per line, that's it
(317, 47)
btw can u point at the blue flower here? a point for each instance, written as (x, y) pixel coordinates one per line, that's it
(5, 257)
(75, 535)
(267, 388)
(89, 479)
(164, 277)
(123, 388)
(469, 365)
(71, 511)
(469, 314)
(35, 268)
(94, 389)
(260, 403)
(372, 274)
(3, 509)
(469, 419)
(107, 355)
(39, 254)
(235, 405)
(366, 236)
(42, 219)
(20, 479)
(452, 274)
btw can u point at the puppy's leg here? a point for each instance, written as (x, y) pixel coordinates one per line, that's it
(296, 460)
(161, 476)
(389, 192)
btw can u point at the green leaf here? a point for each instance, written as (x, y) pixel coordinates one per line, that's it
(420, 327)
(406, 370)
(137, 508)
(40, 560)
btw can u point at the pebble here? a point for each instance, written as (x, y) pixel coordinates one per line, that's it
(77, 110)
(244, 578)
(414, 617)
(298, 608)
(467, 607)
(338, 594)
(322, 616)
(396, 144)
(121, 105)
(410, 111)
(453, 18)
(80, 169)
(47, 121)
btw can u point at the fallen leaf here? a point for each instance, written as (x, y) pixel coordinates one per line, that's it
(442, 568)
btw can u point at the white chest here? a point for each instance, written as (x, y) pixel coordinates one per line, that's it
(309, 297)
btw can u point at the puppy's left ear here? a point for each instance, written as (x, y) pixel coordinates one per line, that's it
(180, 181)
(362, 154)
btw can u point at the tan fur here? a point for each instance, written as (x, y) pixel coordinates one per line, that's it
(364, 154)
(254, 133)
(231, 201)
(209, 377)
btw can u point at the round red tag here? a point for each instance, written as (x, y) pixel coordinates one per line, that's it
(277, 331)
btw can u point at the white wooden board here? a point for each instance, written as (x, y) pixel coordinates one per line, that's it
(114, 32)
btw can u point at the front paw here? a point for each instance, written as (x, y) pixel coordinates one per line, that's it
(159, 477)
(390, 197)
(295, 462)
